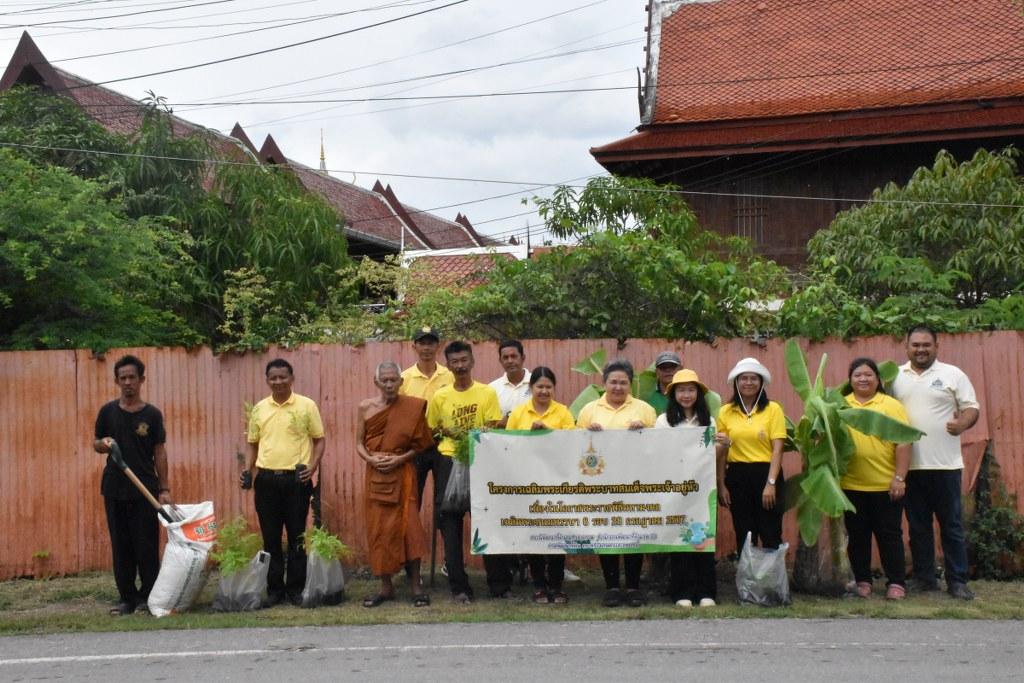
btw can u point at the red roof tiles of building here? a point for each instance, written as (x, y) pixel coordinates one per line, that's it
(734, 59)
(460, 271)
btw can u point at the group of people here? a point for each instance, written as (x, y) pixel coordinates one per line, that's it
(410, 431)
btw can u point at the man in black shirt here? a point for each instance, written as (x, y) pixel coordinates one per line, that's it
(138, 429)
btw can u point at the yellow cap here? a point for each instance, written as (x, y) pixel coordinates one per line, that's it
(683, 376)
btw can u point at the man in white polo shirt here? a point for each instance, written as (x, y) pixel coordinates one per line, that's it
(513, 388)
(940, 401)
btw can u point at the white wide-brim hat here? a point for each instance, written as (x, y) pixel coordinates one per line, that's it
(750, 365)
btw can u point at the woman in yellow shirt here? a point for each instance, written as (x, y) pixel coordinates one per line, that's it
(750, 481)
(617, 409)
(542, 411)
(875, 484)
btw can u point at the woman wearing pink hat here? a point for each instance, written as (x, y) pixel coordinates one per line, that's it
(750, 456)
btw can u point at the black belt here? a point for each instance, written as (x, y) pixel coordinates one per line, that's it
(276, 472)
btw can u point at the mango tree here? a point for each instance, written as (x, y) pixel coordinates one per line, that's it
(822, 437)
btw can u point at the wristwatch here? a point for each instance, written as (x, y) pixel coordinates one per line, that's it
(771, 482)
(898, 478)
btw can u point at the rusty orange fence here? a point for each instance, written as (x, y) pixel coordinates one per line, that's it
(51, 512)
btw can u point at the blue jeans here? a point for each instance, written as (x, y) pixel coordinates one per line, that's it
(936, 493)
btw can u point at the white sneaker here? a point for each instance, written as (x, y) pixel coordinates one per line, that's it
(707, 602)
(569, 576)
(444, 569)
(684, 603)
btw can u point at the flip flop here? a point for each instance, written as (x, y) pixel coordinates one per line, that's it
(376, 600)
(421, 600)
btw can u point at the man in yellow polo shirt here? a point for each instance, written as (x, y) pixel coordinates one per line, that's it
(286, 444)
(421, 380)
(453, 411)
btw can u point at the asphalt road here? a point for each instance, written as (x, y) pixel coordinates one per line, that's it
(622, 651)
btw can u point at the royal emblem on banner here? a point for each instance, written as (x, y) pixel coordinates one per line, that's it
(591, 463)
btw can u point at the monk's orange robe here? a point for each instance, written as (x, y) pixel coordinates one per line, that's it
(393, 530)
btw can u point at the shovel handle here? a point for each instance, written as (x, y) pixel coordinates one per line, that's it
(115, 455)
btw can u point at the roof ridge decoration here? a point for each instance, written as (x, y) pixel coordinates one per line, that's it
(239, 134)
(391, 199)
(27, 55)
(270, 153)
(657, 12)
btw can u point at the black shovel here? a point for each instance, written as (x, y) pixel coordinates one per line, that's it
(118, 459)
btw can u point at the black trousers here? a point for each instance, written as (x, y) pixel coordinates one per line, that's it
(882, 517)
(497, 567)
(425, 462)
(547, 571)
(633, 563)
(936, 493)
(746, 482)
(692, 576)
(282, 503)
(135, 546)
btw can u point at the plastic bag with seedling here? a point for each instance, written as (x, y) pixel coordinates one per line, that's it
(325, 579)
(243, 568)
(456, 493)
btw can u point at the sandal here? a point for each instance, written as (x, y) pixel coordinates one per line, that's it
(121, 609)
(558, 598)
(421, 600)
(376, 600)
(540, 597)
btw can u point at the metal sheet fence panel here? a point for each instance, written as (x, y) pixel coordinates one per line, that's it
(49, 474)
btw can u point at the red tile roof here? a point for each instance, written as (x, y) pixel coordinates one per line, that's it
(734, 59)
(443, 233)
(462, 271)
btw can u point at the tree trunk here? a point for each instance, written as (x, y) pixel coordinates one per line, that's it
(823, 568)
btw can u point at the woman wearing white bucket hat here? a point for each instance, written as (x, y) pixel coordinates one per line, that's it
(750, 459)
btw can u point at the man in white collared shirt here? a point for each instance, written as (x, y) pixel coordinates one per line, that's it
(513, 388)
(941, 402)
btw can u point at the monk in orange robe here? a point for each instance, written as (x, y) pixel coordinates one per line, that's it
(391, 430)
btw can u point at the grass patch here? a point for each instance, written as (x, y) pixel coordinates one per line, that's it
(80, 603)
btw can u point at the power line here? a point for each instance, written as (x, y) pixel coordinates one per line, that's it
(117, 16)
(278, 48)
(286, 24)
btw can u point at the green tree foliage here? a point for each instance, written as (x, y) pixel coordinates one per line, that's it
(641, 269)
(75, 271)
(48, 129)
(163, 171)
(947, 249)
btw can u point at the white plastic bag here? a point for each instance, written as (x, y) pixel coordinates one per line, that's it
(456, 493)
(183, 568)
(244, 590)
(325, 581)
(761, 576)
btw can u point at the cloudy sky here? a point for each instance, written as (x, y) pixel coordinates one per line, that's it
(433, 49)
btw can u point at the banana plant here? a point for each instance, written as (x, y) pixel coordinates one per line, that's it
(822, 438)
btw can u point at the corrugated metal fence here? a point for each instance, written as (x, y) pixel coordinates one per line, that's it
(49, 475)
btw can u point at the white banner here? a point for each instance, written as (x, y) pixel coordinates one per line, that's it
(606, 492)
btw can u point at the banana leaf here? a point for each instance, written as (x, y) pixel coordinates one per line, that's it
(873, 423)
(714, 403)
(591, 392)
(796, 368)
(594, 363)
(819, 379)
(822, 489)
(644, 384)
(792, 495)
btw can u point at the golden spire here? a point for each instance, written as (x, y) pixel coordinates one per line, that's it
(323, 157)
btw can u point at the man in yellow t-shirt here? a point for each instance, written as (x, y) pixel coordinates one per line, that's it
(422, 379)
(286, 444)
(451, 413)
